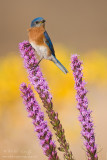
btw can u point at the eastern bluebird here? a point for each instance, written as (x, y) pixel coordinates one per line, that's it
(41, 42)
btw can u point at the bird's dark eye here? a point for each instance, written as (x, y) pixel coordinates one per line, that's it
(37, 22)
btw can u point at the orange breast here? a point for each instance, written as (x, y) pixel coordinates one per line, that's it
(36, 35)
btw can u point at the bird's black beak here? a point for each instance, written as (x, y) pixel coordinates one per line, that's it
(43, 21)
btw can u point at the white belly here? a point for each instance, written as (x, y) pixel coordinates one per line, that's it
(41, 50)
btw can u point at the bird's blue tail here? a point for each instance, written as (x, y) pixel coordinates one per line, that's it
(59, 65)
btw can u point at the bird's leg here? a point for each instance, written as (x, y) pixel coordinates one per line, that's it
(39, 62)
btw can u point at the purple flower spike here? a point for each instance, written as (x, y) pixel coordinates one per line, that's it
(41, 127)
(85, 114)
(36, 78)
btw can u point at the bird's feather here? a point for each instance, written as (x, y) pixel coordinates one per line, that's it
(49, 43)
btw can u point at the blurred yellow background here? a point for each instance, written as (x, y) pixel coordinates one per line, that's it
(74, 27)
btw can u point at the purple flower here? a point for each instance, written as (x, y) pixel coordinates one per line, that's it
(36, 78)
(41, 127)
(35, 75)
(85, 114)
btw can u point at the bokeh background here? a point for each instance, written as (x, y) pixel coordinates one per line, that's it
(74, 27)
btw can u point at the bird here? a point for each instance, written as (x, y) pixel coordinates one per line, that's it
(41, 42)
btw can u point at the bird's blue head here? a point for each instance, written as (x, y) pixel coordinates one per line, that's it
(37, 22)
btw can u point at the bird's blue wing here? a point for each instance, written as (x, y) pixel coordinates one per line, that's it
(49, 43)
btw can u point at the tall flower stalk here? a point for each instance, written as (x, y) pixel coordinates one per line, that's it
(82, 105)
(34, 112)
(36, 78)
